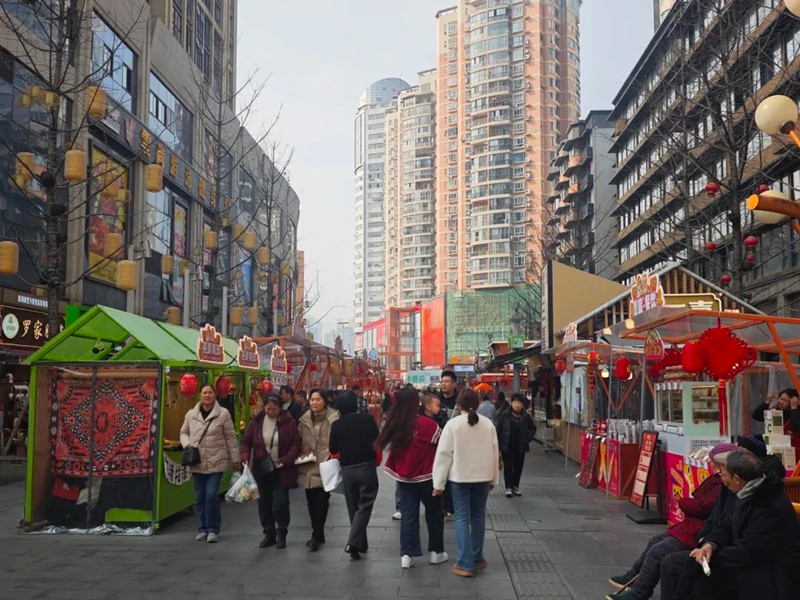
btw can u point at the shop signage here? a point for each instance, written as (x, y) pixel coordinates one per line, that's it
(516, 342)
(278, 362)
(30, 301)
(247, 357)
(653, 346)
(587, 468)
(646, 293)
(25, 328)
(694, 301)
(646, 452)
(209, 346)
(571, 333)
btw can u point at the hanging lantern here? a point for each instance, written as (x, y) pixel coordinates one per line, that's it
(96, 101)
(750, 241)
(9, 258)
(35, 91)
(174, 315)
(24, 100)
(711, 246)
(223, 386)
(712, 189)
(167, 264)
(265, 387)
(725, 279)
(75, 165)
(286, 268)
(153, 178)
(622, 368)
(262, 256)
(127, 275)
(236, 231)
(210, 240)
(188, 385)
(237, 312)
(560, 366)
(252, 315)
(124, 196)
(692, 358)
(312, 367)
(183, 264)
(593, 359)
(26, 163)
(112, 245)
(51, 99)
(763, 188)
(751, 258)
(280, 319)
(249, 241)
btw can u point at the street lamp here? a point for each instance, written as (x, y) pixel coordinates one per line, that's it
(794, 7)
(778, 114)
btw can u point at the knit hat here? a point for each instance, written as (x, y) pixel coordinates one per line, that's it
(720, 452)
(754, 443)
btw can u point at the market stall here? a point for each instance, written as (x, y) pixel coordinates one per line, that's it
(109, 395)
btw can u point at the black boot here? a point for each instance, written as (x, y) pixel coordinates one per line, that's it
(269, 540)
(280, 542)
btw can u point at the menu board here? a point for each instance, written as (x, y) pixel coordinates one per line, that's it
(646, 452)
(587, 468)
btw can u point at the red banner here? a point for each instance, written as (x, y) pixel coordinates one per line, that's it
(646, 452)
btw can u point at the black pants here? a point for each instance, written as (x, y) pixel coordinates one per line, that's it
(273, 505)
(647, 569)
(447, 499)
(411, 494)
(360, 490)
(677, 570)
(512, 468)
(318, 501)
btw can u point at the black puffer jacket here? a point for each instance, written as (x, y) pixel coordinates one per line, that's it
(527, 429)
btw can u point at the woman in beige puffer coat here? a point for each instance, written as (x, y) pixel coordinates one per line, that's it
(315, 430)
(209, 428)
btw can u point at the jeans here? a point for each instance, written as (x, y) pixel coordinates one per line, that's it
(469, 501)
(648, 568)
(411, 494)
(206, 501)
(397, 496)
(273, 505)
(360, 484)
(512, 468)
(318, 502)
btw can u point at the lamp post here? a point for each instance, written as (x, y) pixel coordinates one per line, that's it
(516, 321)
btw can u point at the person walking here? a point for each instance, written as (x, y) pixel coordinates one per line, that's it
(352, 441)
(412, 440)
(468, 456)
(432, 408)
(315, 432)
(209, 428)
(271, 444)
(515, 431)
(448, 392)
(487, 408)
(289, 404)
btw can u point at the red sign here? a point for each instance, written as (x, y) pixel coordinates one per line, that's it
(209, 346)
(646, 452)
(247, 357)
(653, 347)
(587, 468)
(646, 293)
(432, 322)
(278, 362)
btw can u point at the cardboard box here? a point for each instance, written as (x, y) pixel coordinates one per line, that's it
(777, 440)
(787, 455)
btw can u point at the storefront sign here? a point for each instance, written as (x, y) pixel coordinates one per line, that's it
(24, 328)
(587, 467)
(209, 346)
(571, 333)
(247, 357)
(30, 301)
(278, 362)
(646, 452)
(646, 293)
(653, 347)
(516, 342)
(694, 301)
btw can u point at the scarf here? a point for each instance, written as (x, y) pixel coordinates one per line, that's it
(750, 488)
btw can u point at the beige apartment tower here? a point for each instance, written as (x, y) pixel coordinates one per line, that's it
(507, 85)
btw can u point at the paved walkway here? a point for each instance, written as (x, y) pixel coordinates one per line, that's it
(558, 541)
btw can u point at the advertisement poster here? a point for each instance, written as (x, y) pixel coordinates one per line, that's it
(612, 467)
(646, 453)
(179, 243)
(675, 486)
(106, 215)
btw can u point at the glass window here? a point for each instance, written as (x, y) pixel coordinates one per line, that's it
(177, 19)
(170, 119)
(113, 63)
(159, 221)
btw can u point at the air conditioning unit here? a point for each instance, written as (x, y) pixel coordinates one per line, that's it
(528, 175)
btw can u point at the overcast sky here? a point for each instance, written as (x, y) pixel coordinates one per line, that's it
(319, 56)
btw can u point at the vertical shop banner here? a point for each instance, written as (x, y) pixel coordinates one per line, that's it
(587, 468)
(676, 485)
(646, 454)
(106, 214)
(613, 458)
(179, 248)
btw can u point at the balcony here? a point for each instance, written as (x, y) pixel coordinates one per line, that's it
(563, 183)
(563, 208)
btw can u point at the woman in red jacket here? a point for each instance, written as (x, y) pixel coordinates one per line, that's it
(642, 578)
(412, 440)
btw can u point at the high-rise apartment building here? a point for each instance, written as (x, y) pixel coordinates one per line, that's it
(660, 10)
(369, 158)
(508, 83)
(409, 192)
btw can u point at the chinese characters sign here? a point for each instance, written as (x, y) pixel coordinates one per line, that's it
(646, 293)
(646, 452)
(25, 328)
(695, 301)
(247, 357)
(209, 346)
(278, 366)
(653, 346)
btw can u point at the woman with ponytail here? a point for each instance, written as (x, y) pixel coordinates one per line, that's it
(468, 457)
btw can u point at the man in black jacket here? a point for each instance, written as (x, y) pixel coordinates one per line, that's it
(448, 392)
(290, 405)
(755, 553)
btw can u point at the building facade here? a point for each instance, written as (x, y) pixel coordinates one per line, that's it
(581, 226)
(369, 161)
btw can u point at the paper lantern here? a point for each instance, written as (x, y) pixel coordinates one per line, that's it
(188, 385)
(312, 367)
(51, 99)
(265, 387)
(725, 279)
(252, 315)
(237, 312)
(153, 178)
(210, 240)
(9, 258)
(593, 359)
(711, 246)
(183, 264)
(167, 264)
(622, 368)
(750, 241)
(236, 231)
(712, 189)
(560, 366)
(96, 101)
(124, 196)
(692, 358)
(24, 100)
(75, 165)
(127, 275)
(174, 315)
(262, 256)
(35, 91)
(249, 241)
(280, 319)
(222, 386)
(26, 163)
(286, 268)
(112, 245)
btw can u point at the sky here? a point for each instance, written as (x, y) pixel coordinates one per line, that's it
(317, 56)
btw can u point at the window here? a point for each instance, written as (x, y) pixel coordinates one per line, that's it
(170, 120)
(177, 19)
(113, 63)
(202, 41)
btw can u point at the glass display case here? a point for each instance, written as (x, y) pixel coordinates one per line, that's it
(701, 408)
(669, 403)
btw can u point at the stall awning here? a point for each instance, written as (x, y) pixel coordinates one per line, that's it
(512, 357)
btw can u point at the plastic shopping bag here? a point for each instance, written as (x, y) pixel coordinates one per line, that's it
(331, 473)
(243, 489)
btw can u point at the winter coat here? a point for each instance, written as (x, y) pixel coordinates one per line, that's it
(487, 409)
(414, 464)
(441, 419)
(218, 446)
(316, 441)
(696, 509)
(527, 429)
(295, 410)
(759, 544)
(288, 445)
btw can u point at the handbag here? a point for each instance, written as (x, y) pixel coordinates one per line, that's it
(191, 454)
(331, 473)
(266, 467)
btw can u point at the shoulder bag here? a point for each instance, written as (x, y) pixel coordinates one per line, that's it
(266, 467)
(191, 454)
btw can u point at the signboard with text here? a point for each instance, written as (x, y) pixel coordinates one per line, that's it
(247, 357)
(278, 366)
(646, 453)
(587, 468)
(646, 293)
(209, 346)
(24, 328)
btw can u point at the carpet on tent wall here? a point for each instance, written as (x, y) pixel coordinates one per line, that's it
(122, 417)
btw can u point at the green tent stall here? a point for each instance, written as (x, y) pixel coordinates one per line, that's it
(105, 417)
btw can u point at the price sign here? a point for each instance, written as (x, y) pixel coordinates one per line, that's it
(209, 346)
(646, 452)
(247, 357)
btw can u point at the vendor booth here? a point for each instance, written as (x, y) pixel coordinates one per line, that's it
(108, 398)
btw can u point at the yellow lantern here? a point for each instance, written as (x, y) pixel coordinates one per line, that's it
(24, 100)
(75, 165)
(281, 320)
(286, 268)
(252, 315)
(51, 99)
(236, 231)
(238, 275)
(250, 241)
(174, 315)
(26, 162)
(112, 183)
(96, 101)
(127, 275)
(153, 178)
(9, 258)
(262, 256)
(210, 240)
(35, 91)
(183, 264)
(112, 245)
(167, 264)
(124, 196)
(21, 181)
(237, 312)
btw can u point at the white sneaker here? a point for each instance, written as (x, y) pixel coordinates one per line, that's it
(407, 561)
(201, 537)
(213, 538)
(438, 558)
(516, 491)
(397, 516)
(509, 493)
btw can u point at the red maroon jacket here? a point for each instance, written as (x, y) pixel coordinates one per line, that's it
(289, 442)
(696, 509)
(415, 463)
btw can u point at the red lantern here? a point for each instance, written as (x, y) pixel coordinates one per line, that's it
(762, 188)
(265, 387)
(561, 366)
(692, 359)
(712, 188)
(622, 368)
(750, 241)
(223, 386)
(750, 258)
(188, 385)
(725, 279)
(593, 358)
(312, 367)
(711, 246)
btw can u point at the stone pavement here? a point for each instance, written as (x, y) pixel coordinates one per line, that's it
(558, 541)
